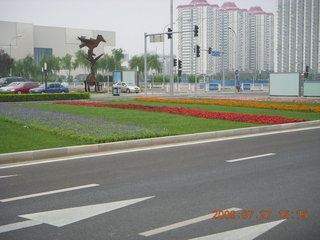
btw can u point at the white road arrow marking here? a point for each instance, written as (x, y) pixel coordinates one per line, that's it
(62, 217)
(182, 224)
(19, 225)
(246, 233)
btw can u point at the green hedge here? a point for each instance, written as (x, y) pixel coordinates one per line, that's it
(43, 97)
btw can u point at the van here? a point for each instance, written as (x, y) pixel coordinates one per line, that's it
(7, 80)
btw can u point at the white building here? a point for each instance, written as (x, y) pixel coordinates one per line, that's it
(261, 40)
(298, 35)
(202, 14)
(234, 37)
(22, 39)
(244, 38)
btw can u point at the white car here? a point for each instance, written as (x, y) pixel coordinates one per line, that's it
(127, 87)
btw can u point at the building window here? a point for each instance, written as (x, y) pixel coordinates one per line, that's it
(39, 53)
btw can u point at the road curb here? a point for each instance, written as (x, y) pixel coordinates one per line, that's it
(104, 147)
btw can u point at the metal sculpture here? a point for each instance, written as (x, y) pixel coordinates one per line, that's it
(91, 44)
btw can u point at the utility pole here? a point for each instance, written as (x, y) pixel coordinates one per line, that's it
(171, 49)
(145, 64)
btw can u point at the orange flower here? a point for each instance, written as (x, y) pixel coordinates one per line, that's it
(235, 103)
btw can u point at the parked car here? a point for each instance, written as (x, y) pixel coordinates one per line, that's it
(19, 87)
(54, 87)
(7, 80)
(127, 87)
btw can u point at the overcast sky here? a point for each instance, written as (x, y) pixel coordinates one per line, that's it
(128, 18)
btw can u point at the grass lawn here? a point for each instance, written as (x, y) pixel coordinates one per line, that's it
(16, 138)
(175, 124)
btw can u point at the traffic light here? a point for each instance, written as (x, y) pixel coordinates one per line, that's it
(197, 50)
(307, 68)
(169, 34)
(196, 31)
(209, 50)
(174, 62)
(179, 64)
(306, 73)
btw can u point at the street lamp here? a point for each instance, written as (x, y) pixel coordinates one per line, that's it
(171, 49)
(236, 58)
(45, 76)
(15, 37)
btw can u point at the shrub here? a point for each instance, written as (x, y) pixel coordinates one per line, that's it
(43, 97)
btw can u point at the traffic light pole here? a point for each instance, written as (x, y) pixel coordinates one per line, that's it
(171, 49)
(145, 63)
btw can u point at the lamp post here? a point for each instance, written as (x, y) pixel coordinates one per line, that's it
(171, 49)
(15, 37)
(235, 53)
(45, 76)
(42, 72)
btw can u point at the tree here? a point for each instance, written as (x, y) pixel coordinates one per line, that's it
(106, 63)
(53, 63)
(26, 67)
(66, 64)
(153, 63)
(5, 62)
(117, 55)
(137, 63)
(81, 60)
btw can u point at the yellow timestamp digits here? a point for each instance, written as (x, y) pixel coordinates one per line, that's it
(263, 214)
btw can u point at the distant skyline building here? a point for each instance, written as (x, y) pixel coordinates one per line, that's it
(298, 35)
(199, 13)
(261, 40)
(245, 38)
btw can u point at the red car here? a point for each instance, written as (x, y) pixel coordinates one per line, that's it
(20, 87)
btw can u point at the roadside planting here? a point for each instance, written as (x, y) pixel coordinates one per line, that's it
(238, 117)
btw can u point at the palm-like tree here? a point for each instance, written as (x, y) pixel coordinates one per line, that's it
(81, 60)
(137, 63)
(153, 63)
(117, 55)
(66, 64)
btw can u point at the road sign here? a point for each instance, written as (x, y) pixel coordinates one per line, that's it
(237, 72)
(156, 38)
(216, 54)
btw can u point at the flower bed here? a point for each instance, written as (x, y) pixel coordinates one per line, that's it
(238, 117)
(235, 103)
(268, 99)
(80, 127)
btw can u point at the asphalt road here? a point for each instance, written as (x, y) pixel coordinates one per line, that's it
(271, 188)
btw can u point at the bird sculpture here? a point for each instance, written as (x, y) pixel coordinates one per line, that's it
(91, 43)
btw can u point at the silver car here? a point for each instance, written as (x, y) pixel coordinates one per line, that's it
(127, 87)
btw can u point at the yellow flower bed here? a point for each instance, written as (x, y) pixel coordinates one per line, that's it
(235, 103)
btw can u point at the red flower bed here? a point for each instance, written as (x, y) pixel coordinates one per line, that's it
(238, 117)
